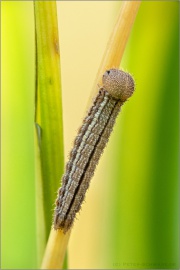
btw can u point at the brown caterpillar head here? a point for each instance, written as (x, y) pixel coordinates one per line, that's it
(118, 83)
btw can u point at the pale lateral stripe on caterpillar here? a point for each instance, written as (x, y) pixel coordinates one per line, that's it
(89, 144)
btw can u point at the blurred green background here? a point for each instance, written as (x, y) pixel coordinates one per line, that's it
(130, 218)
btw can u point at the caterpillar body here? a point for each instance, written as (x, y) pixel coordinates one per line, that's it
(89, 144)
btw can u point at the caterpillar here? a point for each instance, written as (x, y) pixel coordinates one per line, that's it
(93, 135)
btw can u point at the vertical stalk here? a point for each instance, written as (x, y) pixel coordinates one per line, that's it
(48, 113)
(117, 41)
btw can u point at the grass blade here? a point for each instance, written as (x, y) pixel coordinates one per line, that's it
(48, 111)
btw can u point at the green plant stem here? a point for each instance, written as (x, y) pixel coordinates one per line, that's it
(48, 108)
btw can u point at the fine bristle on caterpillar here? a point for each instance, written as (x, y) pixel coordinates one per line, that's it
(89, 144)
